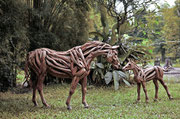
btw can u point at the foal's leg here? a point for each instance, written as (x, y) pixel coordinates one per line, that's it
(138, 91)
(71, 92)
(40, 89)
(166, 88)
(84, 89)
(156, 89)
(145, 91)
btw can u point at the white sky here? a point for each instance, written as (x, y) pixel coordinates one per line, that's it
(170, 2)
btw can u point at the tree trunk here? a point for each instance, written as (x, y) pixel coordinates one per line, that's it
(104, 22)
(163, 55)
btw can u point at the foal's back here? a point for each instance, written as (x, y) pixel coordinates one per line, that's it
(154, 72)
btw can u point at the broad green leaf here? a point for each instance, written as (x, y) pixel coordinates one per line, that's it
(101, 73)
(108, 77)
(116, 80)
(121, 74)
(126, 82)
(100, 65)
(150, 51)
(93, 65)
(157, 22)
(94, 75)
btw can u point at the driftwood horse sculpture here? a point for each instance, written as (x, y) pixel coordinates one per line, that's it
(141, 76)
(74, 63)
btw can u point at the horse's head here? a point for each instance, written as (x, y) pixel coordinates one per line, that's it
(112, 57)
(129, 66)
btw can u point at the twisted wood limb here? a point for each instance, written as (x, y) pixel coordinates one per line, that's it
(145, 91)
(84, 89)
(166, 88)
(40, 89)
(156, 89)
(71, 92)
(138, 91)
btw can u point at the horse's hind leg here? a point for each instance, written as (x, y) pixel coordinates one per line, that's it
(138, 91)
(40, 89)
(156, 89)
(34, 86)
(166, 88)
(34, 96)
(84, 89)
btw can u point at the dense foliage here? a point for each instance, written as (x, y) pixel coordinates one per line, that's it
(13, 40)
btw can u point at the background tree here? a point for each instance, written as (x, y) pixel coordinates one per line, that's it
(13, 40)
(122, 11)
(171, 30)
(58, 25)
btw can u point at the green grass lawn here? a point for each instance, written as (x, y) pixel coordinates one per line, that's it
(105, 103)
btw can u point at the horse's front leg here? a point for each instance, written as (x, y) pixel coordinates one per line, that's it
(71, 92)
(145, 90)
(84, 89)
(138, 91)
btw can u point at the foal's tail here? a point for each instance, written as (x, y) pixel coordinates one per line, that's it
(27, 73)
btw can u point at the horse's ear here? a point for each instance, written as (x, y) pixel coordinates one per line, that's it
(115, 47)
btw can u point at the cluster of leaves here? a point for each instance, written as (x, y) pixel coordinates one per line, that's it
(104, 72)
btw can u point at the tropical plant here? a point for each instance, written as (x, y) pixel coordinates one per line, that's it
(104, 74)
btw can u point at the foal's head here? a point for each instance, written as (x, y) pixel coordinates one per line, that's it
(112, 57)
(129, 66)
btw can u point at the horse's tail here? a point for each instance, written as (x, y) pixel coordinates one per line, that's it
(27, 73)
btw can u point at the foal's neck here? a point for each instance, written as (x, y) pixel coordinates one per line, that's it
(136, 70)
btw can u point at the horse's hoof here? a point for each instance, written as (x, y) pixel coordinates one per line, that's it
(69, 108)
(171, 98)
(137, 101)
(35, 105)
(87, 106)
(147, 101)
(155, 100)
(47, 106)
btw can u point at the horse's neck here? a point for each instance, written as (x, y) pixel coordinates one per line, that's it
(89, 57)
(136, 70)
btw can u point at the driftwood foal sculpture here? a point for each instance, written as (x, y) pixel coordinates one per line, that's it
(74, 63)
(141, 76)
